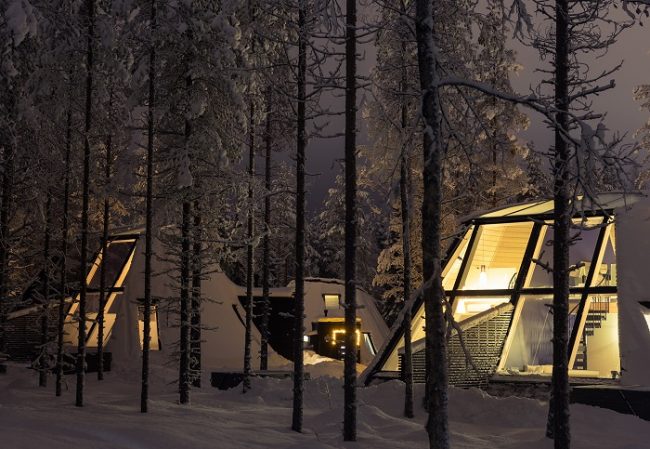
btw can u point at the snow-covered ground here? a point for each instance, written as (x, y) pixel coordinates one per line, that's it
(31, 417)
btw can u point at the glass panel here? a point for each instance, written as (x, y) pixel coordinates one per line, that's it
(606, 274)
(417, 325)
(154, 341)
(601, 202)
(450, 273)
(117, 254)
(580, 253)
(531, 349)
(469, 306)
(331, 301)
(496, 257)
(598, 350)
(538, 207)
(612, 200)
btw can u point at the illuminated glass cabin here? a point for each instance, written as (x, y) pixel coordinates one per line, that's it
(498, 281)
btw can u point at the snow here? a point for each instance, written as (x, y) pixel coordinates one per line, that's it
(20, 20)
(31, 417)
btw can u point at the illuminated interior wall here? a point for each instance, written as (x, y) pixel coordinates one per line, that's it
(116, 263)
(496, 257)
(154, 343)
(530, 346)
(602, 347)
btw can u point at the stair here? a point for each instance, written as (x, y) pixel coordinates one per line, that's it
(484, 336)
(598, 311)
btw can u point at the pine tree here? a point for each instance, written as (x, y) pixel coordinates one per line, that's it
(299, 295)
(350, 360)
(44, 366)
(561, 233)
(64, 251)
(148, 252)
(102, 269)
(81, 342)
(14, 37)
(435, 331)
(266, 241)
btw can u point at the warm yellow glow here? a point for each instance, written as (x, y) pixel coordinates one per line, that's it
(467, 307)
(474, 307)
(335, 332)
(332, 301)
(482, 277)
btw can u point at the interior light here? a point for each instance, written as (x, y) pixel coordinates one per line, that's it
(342, 331)
(482, 277)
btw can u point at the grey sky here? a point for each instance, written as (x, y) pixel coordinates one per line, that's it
(623, 113)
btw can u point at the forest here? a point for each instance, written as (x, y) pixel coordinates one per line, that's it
(286, 142)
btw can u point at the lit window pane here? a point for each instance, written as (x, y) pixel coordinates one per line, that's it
(450, 272)
(331, 301)
(598, 350)
(537, 207)
(581, 254)
(154, 342)
(469, 306)
(497, 256)
(530, 350)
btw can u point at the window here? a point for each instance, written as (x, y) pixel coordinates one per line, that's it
(155, 338)
(496, 257)
(452, 268)
(466, 307)
(531, 348)
(332, 301)
(596, 353)
(581, 253)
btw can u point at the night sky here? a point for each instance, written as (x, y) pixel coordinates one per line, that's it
(623, 113)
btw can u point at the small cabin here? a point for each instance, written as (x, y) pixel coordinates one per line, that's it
(498, 280)
(222, 314)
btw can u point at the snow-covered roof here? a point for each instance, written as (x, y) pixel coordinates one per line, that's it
(601, 202)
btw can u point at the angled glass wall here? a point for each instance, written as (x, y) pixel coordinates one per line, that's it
(506, 256)
(120, 251)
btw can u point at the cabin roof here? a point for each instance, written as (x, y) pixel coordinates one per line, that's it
(600, 204)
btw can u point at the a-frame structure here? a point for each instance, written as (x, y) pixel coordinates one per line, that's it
(498, 282)
(116, 263)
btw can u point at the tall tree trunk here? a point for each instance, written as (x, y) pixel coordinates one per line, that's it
(559, 408)
(266, 244)
(404, 189)
(250, 235)
(44, 365)
(436, 347)
(64, 253)
(184, 379)
(102, 268)
(184, 365)
(81, 349)
(195, 335)
(299, 295)
(406, 250)
(350, 361)
(9, 153)
(148, 251)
